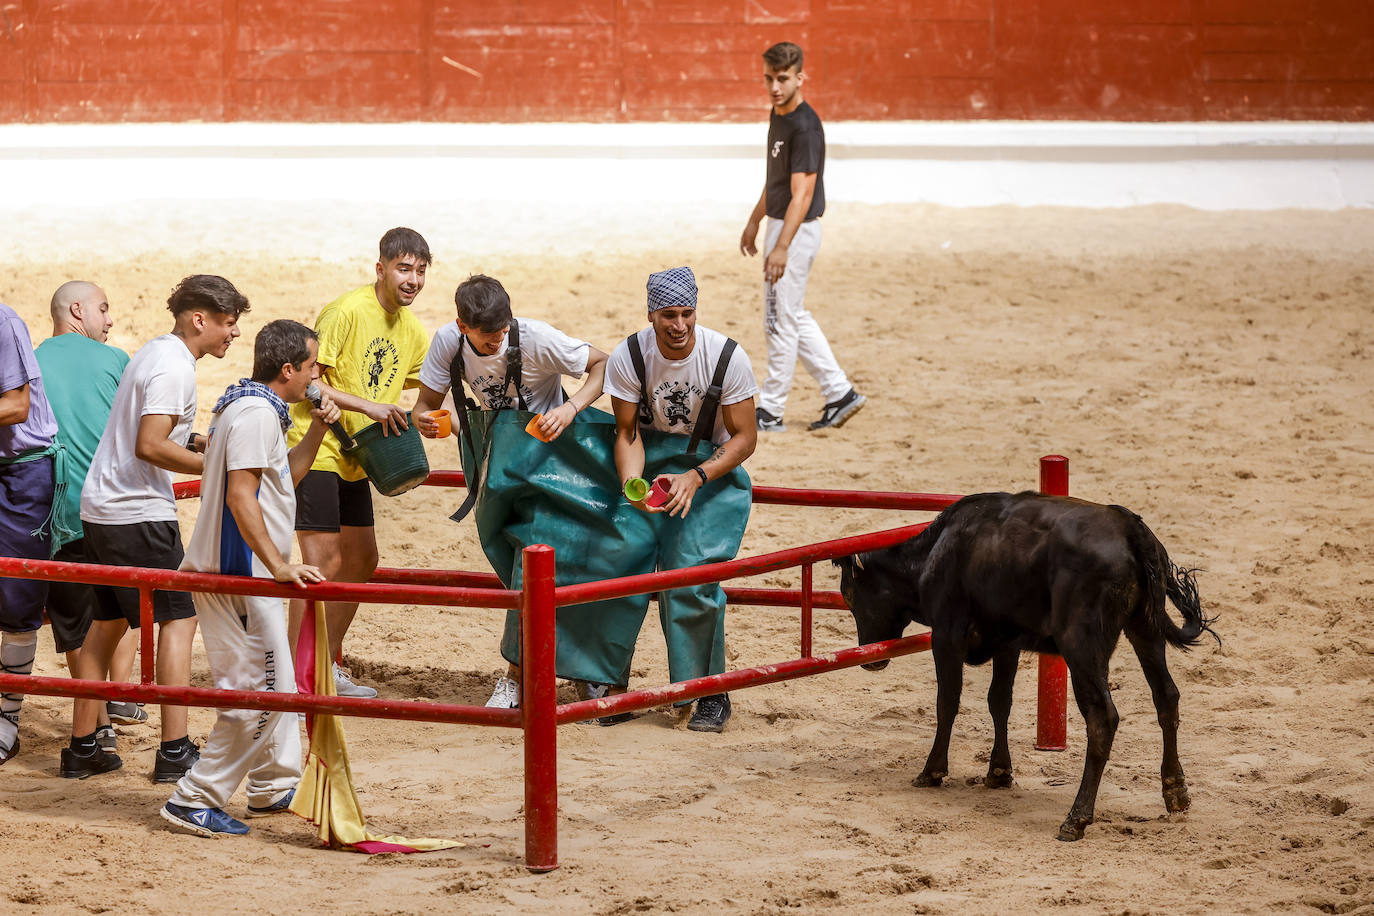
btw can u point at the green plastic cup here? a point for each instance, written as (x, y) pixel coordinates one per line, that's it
(636, 488)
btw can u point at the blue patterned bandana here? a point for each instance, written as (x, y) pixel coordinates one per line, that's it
(674, 288)
(247, 388)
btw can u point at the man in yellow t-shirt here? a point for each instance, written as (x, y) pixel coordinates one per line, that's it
(371, 349)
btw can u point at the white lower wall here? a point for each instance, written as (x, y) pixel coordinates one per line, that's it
(1257, 166)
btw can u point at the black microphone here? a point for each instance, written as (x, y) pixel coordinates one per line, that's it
(312, 394)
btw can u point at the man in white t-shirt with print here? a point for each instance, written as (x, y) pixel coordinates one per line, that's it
(482, 332)
(247, 514)
(129, 513)
(680, 359)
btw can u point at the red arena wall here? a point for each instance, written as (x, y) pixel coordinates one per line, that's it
(682, 60)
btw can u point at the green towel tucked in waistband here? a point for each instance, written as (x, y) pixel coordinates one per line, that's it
(63, 527)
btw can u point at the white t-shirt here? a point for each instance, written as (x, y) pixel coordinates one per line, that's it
(246, 435)
(677, 386)
(120, 487)
(546, 355)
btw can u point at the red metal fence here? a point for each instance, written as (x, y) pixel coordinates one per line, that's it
(540, 714)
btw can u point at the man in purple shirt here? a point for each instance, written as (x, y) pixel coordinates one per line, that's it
(28, 459)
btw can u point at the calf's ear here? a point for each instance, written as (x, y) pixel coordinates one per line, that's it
(853, 562)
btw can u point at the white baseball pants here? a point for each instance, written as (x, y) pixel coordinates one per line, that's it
(790, 330)
(245, 638)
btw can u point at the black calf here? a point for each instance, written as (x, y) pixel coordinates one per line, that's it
(996, 574)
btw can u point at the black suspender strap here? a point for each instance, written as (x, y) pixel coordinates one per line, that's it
(646, 416)
(706, 417)
(515, 364)
(463, 403)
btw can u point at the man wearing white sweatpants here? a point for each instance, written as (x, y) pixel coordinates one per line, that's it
(247, 515)
(793, 199)
(792, 332)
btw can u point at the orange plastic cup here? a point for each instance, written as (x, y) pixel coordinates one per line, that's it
(532, 428)
(445, 421)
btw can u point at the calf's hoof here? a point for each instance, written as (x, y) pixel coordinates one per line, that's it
(998, 778)
(927, 780)
(1176, 795)
(1071, 831)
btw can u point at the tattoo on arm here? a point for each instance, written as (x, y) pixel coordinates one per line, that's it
(718, 453)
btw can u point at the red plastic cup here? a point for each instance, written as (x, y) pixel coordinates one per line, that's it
(658, 494)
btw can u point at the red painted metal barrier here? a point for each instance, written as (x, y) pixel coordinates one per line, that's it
(539, 709)
(540, 714)
(1052, 697)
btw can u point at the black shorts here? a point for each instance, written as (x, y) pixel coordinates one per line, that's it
(325, 502)
(71, 605)
(151, 544)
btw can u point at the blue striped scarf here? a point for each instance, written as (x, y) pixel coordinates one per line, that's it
(247, 388)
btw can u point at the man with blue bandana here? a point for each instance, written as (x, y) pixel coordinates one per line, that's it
(671, 377)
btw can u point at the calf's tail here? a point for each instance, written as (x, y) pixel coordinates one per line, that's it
(1164, 579)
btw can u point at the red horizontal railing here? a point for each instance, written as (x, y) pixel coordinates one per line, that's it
(733, 569)
(683, 691)
(213, 697)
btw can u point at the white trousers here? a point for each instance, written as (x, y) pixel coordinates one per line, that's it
(245, 638)
(791, 332)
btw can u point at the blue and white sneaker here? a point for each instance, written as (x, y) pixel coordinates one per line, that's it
(211, 822)
(277, 807)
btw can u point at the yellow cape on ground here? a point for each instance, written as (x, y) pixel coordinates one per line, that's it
(325, 795)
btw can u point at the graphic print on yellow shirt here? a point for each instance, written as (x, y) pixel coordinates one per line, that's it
(369, 353)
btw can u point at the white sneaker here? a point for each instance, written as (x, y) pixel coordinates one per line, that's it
(346, 688)
(506, 695)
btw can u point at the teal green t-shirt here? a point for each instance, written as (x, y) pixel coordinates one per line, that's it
(81, 377)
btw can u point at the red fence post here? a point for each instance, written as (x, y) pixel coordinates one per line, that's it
(806, 588)
(1051, 710)
(145, 636)
(539, 708)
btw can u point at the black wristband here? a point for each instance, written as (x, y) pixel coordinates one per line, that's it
(702, 473)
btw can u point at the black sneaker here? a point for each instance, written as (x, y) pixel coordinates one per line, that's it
(711, 714)
(170, 769)
(836, 412)
(768, 423)
(77, 766)
(106, 739)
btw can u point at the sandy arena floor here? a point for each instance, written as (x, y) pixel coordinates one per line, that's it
(1211, 371)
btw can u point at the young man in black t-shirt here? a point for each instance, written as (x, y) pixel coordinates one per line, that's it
(793, 199)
